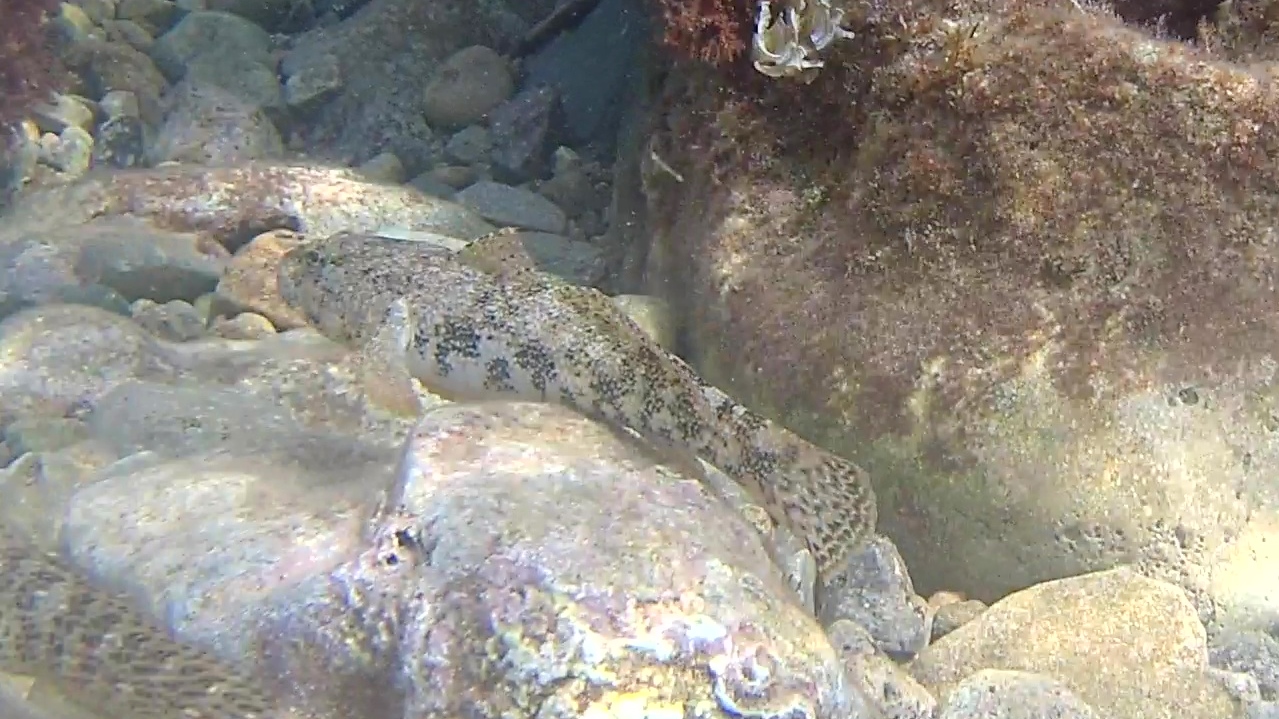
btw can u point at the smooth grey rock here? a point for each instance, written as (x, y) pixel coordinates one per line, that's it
(469, 145)
(506, 205)
(108, 262)
(141, 262)
(209, 33)
(246, 78)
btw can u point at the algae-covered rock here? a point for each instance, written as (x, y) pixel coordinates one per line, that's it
(1019, 260)
(1244, 30)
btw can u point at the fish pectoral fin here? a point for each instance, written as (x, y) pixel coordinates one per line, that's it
(381, 364)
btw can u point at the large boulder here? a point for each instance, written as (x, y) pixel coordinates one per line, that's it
(1019, 260)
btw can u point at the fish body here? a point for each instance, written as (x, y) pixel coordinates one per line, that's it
(465, 327)
(103, 653)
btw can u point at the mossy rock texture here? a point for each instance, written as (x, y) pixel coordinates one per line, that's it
(1017, 258)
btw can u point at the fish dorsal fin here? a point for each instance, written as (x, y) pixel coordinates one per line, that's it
(500, 253)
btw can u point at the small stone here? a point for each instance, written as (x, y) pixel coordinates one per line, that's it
(244, 326)
(522, 131)
(1251, 651)
(119, 103)
(565, 159)
(314, 84)
(74, 21)
(577, 262)
(514, 206)
(99, 11)
(469, 146)
(119, 142)
(209, 306)
(70, 152)
(884, 684)
(249, 281)
(875, 591)
(176, 320)
(111, 66)
(62, 112)
(130, 32)
(248, 79)
(591, 223)
(953, 615)
(995, 694)
(1128, 645)
(470, 83)
(383, 167)
(209, 125)
(455, 176)
(210, 35)
(156, 14)
(427, 184)
(140, 261)
(572, 190)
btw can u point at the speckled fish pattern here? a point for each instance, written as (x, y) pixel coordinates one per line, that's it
(103, 653)
(476, 332)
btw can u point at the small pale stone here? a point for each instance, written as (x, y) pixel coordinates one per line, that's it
(244, 326)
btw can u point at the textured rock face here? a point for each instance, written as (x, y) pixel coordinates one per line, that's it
(1020, 262)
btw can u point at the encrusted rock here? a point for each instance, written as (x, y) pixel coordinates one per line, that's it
(1028, 283)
